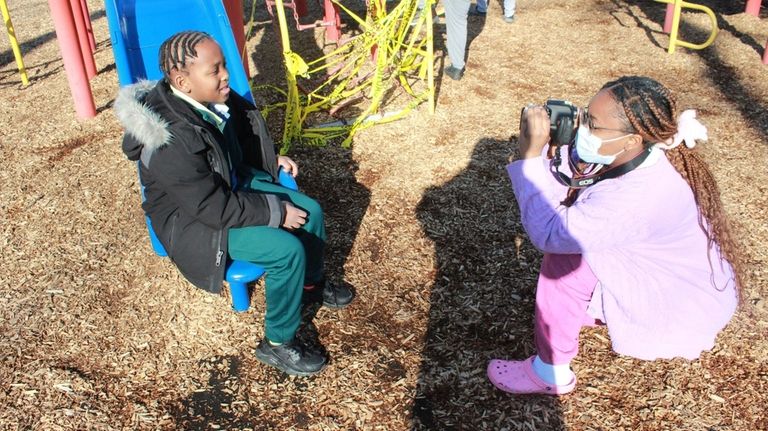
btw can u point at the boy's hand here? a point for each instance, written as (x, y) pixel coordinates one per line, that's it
(288, 165)
(294, 217)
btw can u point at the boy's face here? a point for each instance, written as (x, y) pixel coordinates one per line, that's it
(206, 78)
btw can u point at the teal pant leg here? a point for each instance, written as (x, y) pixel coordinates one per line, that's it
(290, 259)
(312, 234)
(282, 256)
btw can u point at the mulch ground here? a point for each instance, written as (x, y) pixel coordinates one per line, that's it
(99, 333)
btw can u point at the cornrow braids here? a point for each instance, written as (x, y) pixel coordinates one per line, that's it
(177, 49)
(651, 110)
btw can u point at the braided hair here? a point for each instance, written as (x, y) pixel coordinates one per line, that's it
(650, 110)
(177, 49)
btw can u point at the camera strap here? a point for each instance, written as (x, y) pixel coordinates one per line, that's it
(589, 180)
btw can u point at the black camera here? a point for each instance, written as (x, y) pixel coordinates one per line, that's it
(563, 118)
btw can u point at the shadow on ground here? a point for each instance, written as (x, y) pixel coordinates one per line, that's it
(328, 175)
(481, 304)
(724, 77)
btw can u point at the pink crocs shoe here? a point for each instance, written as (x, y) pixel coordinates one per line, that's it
(518, 377)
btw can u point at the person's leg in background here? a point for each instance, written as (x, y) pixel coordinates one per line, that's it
(481, 8)
(563, 294)
(456, 28)
(509, 10)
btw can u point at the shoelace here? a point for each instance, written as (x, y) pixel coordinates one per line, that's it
(293, 350)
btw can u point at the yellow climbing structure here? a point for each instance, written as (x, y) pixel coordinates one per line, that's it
(393, 55)
(14, 42)
(678, 5)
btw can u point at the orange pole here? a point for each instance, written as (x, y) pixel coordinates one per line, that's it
(753, 7)
(332, 21)
(88, 26)
(234, 10)
(82, 38)
(66, 33)
(668, 17)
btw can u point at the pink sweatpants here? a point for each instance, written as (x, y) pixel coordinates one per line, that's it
(563, 293)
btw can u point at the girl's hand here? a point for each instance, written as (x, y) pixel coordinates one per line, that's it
(534, 131)
(288, 165)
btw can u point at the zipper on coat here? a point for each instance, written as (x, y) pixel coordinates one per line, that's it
(217, 159)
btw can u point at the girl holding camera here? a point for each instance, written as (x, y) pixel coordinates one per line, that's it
(648, 253)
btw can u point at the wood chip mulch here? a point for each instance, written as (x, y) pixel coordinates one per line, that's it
(98, 333)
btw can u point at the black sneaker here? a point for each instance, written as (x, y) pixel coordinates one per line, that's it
(291, 358)
(330, 294)
(453, 72)
(336, 295)
(476, 12)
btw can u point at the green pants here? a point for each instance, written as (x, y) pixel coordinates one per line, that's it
(290, 259)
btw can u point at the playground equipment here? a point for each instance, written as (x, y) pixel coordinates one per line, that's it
(672, 23)
(401, 41)
(137, 28)
(753, 8)
(73, 31)
(14, 42)
(403, 53)
(331, 20)
(239, 273)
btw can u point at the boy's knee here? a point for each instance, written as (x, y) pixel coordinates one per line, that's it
(313, 207)
(315, 211)
(290, 252)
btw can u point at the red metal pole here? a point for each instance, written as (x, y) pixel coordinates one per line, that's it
(234, 10)
(668, 17)
(88, 26)
(332, 32)
(753, 7)
(66, 33)
(82, 38)
(301, 7)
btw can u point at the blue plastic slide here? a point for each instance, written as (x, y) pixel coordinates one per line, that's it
(138, 28)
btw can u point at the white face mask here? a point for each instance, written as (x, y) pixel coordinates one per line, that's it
(588, 145)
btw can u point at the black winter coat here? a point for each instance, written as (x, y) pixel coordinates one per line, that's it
(184, 168)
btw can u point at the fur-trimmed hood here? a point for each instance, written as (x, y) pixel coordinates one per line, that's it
(140, 122)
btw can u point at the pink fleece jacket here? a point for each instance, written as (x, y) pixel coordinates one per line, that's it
(662, 292)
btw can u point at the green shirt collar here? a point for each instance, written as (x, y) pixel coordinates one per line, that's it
(218, 115)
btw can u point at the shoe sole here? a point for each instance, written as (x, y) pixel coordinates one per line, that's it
(271, 361)
(336, 306)
(330, 305)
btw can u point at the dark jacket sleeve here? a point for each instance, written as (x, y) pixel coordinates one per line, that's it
(257, 146)
(131, 147)
(203, 194)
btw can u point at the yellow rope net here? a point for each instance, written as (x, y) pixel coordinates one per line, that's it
(402, 41)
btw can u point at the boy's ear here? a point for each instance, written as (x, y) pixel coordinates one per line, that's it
(180, 81)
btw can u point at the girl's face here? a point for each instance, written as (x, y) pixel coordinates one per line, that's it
(603, 121)
(206, 77)
(603, 118)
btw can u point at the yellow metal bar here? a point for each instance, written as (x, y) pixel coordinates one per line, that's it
(14, 42)
(673, 34)
(351, 76)
(430, 59)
